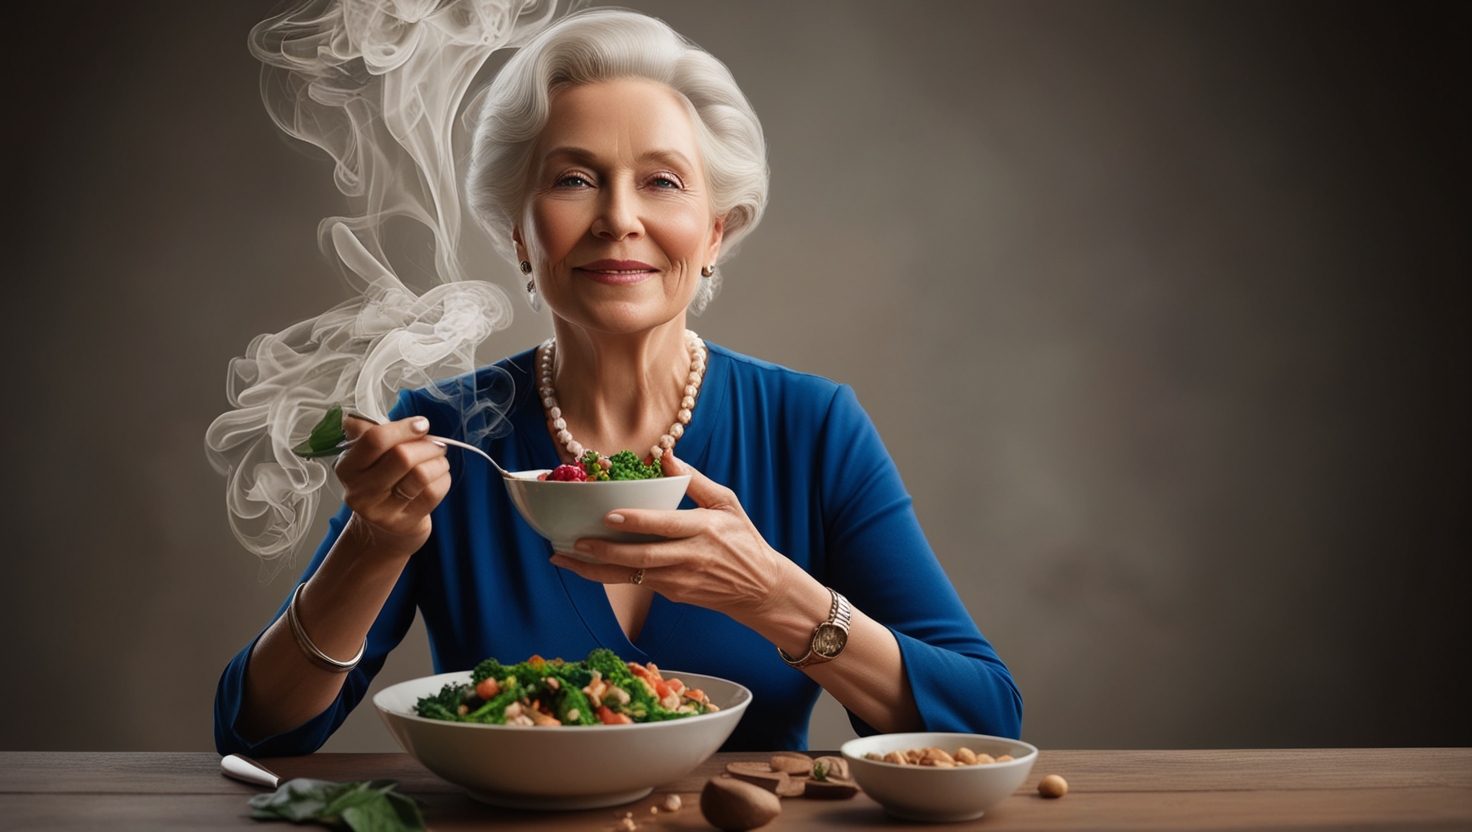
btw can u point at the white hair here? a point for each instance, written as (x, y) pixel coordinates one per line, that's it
(606, 44)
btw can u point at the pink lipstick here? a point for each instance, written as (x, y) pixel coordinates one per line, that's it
(616, 272)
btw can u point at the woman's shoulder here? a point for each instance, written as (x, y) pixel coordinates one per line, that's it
(757, 391)
(502, 384)
(746, 369)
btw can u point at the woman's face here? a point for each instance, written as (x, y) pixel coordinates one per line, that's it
(618, 222)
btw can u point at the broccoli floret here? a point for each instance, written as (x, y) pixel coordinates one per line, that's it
(615, 670)
(626, 466)
(529, 673)
(445, 704)
(430, 709)
(488, 669)
(572, 707)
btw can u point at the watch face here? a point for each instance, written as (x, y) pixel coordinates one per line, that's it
(829, 641)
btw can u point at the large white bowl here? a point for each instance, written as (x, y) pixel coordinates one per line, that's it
(562, 512)
(581, 767)
(938, 794)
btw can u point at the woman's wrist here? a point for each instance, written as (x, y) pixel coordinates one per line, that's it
(796, 604)
(369, 541)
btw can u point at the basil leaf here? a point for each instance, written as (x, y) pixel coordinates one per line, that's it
(326, 438)
(296, 800)
(386, 812)
(371, 806)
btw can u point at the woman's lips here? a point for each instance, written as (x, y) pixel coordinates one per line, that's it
(616, 272)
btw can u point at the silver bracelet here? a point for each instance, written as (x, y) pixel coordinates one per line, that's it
(310, 650)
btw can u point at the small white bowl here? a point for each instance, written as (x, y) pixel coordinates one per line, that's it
(562, 512)
(581, 767)
(924, 793)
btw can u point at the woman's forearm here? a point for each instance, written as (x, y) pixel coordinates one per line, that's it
(868, 677)
(336, 608)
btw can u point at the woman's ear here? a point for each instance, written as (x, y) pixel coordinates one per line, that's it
(717, 234)
(518, 243)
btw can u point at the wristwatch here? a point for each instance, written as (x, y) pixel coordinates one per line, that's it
(829, 637)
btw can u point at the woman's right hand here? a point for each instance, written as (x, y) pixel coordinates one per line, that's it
(392, 478)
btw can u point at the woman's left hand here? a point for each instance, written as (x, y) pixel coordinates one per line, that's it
(713, 556)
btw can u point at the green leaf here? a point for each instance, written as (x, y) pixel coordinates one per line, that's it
(386, 812)
(371, 806)
(326, 438)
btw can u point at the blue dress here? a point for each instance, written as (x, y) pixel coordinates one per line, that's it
(812, 474)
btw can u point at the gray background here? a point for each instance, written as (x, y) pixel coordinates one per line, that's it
(1161, 308)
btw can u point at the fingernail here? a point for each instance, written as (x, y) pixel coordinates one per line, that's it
(419, 424)
(614, 518)
(583, 546)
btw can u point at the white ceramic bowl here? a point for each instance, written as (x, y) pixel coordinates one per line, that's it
(562, 512)
(938, 794)
(584, 767)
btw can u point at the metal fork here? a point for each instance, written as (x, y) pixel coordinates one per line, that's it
(442, 441)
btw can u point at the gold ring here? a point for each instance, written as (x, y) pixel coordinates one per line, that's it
(637, 577)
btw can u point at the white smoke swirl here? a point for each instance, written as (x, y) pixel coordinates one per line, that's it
(378, 85)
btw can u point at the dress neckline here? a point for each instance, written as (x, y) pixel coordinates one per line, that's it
(589, 597)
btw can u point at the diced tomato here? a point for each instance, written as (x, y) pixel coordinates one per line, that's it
(487, 689)
(608, 717)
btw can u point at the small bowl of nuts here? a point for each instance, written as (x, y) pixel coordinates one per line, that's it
(938, 776)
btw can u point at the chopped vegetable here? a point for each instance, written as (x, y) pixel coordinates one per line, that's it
(568, 473)
(623, 465)
(600, 689)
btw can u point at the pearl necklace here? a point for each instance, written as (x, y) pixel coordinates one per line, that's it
(698, 355)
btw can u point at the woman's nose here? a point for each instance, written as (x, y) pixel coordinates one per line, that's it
(618, 215)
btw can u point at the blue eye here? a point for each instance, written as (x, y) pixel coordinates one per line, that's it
(663, 182)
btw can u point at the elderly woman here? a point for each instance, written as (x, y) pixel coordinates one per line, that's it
(620, 163)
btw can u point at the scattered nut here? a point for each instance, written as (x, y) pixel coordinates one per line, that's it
(735, 805)
(762, 775)
(672, 803)
(792, 762)
(833, 768)
(1052, 786)
(792, 786)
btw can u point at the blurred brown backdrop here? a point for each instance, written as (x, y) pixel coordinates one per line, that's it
(1161, 308)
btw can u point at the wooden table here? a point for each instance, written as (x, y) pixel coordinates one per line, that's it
(1359, 789)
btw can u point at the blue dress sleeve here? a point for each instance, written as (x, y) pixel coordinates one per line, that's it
(385, 634)
(879, 559)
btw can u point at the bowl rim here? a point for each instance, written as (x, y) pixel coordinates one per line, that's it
(1027, 758)
(530, 475)
(743, 697)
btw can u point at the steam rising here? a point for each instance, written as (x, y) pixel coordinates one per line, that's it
(378, 85)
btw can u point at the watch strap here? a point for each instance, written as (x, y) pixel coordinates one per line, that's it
(840, 614)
